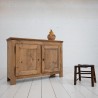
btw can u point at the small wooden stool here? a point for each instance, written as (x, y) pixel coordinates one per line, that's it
(77, 70)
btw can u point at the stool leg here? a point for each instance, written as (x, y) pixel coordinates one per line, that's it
(75, 75)
(79, 73)
(92, 76)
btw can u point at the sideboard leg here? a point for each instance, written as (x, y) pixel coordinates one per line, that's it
(12, 81)
(61, 74)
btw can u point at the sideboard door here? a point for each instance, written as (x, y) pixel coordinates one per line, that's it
(28, 59)
(50, 58)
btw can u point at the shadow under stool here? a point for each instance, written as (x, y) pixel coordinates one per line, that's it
(78, 70)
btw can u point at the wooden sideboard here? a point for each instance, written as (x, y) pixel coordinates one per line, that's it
(33, 57)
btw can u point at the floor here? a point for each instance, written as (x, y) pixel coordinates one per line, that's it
(45, 87)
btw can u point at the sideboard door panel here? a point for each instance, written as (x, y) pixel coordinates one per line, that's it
(50, 58)
(28, 59)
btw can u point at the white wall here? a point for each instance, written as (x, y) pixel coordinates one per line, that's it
(73, 21)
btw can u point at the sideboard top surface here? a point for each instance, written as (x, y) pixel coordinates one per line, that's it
(29, 39)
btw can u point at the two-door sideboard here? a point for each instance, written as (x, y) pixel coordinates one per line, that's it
(33, 57)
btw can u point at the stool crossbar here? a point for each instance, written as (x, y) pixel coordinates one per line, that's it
(78, 71)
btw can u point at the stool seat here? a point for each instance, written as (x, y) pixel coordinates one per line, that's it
(78, 70)
(85, 65)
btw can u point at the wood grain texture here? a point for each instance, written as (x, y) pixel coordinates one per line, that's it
(33, 57)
